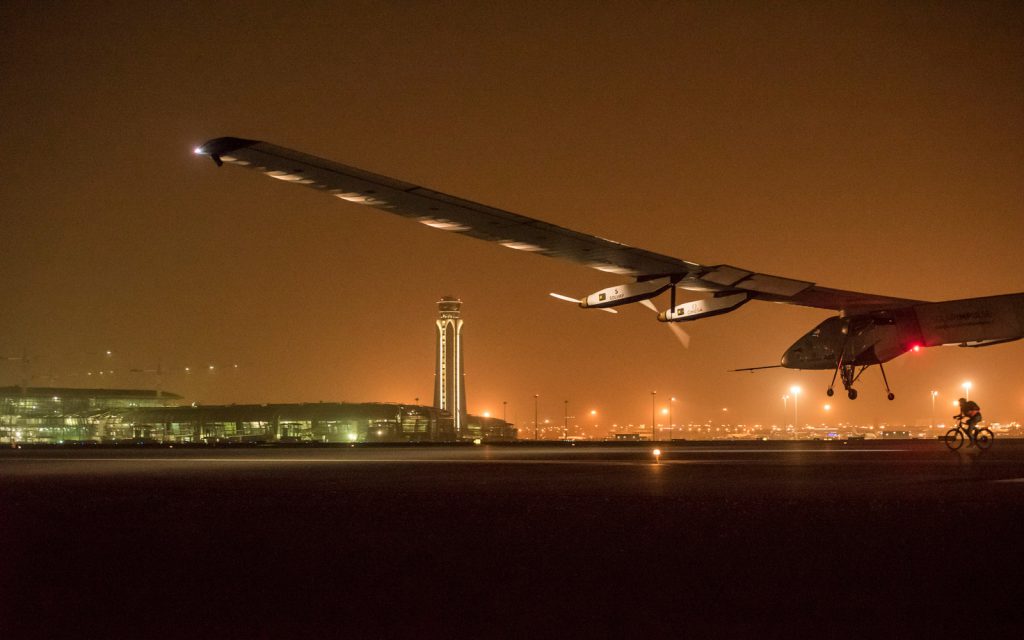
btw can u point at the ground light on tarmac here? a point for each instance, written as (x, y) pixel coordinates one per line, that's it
(747, 539)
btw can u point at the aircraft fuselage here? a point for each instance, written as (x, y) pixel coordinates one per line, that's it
(879, 336)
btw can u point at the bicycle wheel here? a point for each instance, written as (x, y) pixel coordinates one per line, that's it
(983, 438)
(954, 439)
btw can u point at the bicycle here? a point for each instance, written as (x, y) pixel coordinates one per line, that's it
(981, 437)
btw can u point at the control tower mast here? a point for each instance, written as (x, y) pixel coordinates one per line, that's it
(449, 375)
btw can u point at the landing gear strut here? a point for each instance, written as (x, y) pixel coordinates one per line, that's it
(849, 374)
(891, 396)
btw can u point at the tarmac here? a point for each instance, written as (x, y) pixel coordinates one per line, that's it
(736, 539)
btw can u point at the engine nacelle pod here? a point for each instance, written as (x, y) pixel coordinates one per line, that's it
(626, 293)
(704, 308)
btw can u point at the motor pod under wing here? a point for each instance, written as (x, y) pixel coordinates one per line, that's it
(705, 308)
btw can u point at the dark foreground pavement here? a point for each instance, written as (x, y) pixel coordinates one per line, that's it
(741, 539)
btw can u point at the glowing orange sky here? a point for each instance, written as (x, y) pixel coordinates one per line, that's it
(876, 148)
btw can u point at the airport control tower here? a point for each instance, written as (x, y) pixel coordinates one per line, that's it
(449, 375)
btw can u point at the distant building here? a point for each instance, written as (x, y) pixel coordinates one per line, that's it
(449, 372)
(52, 414)
(327, 422)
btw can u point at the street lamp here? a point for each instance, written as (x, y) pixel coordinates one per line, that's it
(536, 421)
(565, 422)
(654, 430)
(671, 425)
(967, 389)
(785, 410)
(932, 418)
(504, 411)
(795, 390)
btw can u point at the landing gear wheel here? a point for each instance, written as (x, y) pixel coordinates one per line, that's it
(983, 438)
(954, 439)
(851, 394)
(831, 392)
(892, 396)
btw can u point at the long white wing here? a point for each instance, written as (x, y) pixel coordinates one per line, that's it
(514, 231)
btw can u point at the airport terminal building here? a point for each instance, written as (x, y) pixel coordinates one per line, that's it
(59, 415)
(325, 422)
(56, 415)
(48, 415)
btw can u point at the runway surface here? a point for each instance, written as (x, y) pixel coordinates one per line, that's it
(748, 539)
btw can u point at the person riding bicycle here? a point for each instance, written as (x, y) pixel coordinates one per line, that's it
(970, 416)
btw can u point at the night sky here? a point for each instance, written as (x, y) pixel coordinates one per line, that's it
(877, 147)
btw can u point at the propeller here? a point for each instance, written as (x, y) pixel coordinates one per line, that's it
(559, 296)
(679, 332)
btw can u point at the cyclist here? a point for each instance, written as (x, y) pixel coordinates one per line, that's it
(970, 416)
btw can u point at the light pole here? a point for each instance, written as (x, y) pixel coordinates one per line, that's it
(654, 430)
(671, 425)
(536, 423)
(967, 389)
(785, 410)
(795, 390)
(931, 422)
(504, 411)
(565, 422)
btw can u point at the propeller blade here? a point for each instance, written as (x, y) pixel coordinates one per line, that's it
(680, 333)
(576, 301)
(677, 331)
(562, 297)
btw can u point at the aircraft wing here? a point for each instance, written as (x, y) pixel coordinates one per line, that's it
(514, 231)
